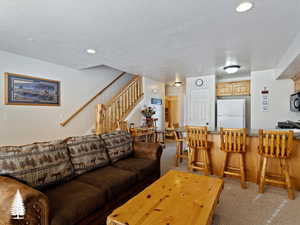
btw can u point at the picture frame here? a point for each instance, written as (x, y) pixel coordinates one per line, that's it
(156, 101)
(28, 90)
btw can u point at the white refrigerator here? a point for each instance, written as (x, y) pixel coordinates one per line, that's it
(231, 113)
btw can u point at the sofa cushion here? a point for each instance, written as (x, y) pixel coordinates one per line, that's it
(38, 165)
(118, 144)
(143, 167)
(73, 201)
(87, 153)
(112, 179)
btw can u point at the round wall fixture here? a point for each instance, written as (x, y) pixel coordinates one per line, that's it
(232, 68)
(199, 82)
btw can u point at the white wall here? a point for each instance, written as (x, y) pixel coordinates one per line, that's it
(149, 85)
(288, 57)
(279, 94)
(26, 124)
(180, 93)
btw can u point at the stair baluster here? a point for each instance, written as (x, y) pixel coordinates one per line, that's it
(119, 107)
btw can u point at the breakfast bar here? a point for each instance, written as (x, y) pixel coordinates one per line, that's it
(252, 158)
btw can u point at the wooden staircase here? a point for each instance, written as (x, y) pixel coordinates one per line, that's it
(118, 108)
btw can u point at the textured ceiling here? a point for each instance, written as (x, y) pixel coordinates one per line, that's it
(152, 38)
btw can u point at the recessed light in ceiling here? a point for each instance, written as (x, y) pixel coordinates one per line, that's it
(91, 51)
(232, 69)
(244, 7)
(177, 83)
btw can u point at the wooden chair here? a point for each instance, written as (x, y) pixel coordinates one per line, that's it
(179, 146)
(122, 125)
(198, 144)
(234, 141)
(275, 145)
(159, 136)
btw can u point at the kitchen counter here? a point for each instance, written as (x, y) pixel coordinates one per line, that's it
(254, 132)
(252, 158)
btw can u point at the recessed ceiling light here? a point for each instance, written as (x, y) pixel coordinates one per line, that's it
(244, 7)
(232, 68)
(177, 83)
(91, 51)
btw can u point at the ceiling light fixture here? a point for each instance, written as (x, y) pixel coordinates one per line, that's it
(178, 84)
(244, 7)
(232, 68)
(91, 51)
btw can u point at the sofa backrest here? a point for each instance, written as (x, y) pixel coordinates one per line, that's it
(38, 165)
(87, 153)
(48, 163)
(118, 144)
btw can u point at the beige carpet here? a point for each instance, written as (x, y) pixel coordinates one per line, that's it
(246, 206)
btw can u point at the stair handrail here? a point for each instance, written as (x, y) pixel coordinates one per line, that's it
(64, 123)
(130, 83)
(109, 114)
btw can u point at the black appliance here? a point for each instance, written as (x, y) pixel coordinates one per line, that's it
(288, 125)
(295, 102)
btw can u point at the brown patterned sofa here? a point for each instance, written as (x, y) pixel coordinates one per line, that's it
(79, 180)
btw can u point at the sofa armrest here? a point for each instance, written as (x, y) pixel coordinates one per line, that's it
(36, 203)
(144, 150)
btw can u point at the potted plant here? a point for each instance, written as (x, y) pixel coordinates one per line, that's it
(148, 112)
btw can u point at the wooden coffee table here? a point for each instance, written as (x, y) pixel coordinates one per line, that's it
(177, 198)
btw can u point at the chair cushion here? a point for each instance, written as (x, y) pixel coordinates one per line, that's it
(87, 153)
(73, 201)
(143, 167)
(38, 165)
(113, 180)
(118, 144)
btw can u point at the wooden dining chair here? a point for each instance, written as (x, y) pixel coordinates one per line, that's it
(122, 125)
(233, 141)
(180, 155)
(277, 145)
(198, 157)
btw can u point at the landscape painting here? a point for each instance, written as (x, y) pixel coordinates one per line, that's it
(27, 90)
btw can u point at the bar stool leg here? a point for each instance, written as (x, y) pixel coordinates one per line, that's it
(206, 165)
(263, 175)
(224, 165)
(190, 159)
(181, 151)
(177, 153)
(288, 180)
(259, 169)
(242, 169)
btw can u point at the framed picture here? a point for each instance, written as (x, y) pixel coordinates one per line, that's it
(156, 101)
(26, 90)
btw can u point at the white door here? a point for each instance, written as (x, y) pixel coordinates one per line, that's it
(199, 108)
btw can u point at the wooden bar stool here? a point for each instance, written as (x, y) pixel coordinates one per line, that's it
(275, 145)
(234, 141)
(198, 143)
(179, 146)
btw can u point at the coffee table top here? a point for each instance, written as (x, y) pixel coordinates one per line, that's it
(177, 198)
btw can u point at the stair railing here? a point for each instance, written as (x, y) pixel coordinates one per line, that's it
(64, 123)
(118, 108)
